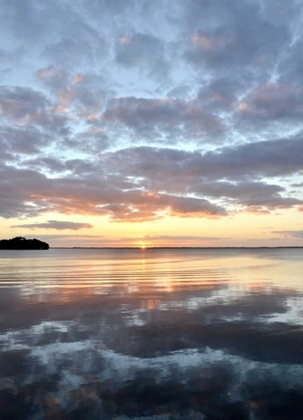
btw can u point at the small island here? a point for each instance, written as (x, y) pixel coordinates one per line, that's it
(22, 243)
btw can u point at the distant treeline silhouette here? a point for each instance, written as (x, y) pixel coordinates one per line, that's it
(22, 243)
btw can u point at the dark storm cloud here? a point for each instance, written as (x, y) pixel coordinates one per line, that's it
(55, 224)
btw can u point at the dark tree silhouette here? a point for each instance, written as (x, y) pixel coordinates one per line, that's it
(22, 243)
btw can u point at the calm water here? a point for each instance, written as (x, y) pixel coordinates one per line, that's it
(154, 334)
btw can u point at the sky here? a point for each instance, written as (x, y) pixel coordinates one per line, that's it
(152, 123)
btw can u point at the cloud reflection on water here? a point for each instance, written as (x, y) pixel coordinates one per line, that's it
(193, 335)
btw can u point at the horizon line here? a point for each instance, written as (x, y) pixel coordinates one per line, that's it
(175, 247)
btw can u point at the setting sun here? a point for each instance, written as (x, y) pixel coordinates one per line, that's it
(151, 209)
(186, 155)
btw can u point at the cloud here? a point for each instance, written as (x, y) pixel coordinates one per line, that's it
(79, 95)
(220, 94)
(232, 35)
(155, 118)
(147, 183)
(68, 236)
(138, 48)
(55, 224)
(45, 163)
(137, 111)
(53, 76)
(28, 108)
(297, 234)
(80, 50)
(254, 196)
(29, 193)
(178, 240)
(27, 141)
(144, 52)
(184, 237)
(272, 101)
(18, 102)
(242, 162)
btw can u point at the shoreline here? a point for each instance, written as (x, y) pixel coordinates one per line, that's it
(180, 247)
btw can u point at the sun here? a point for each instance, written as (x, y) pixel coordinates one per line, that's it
(142, 245)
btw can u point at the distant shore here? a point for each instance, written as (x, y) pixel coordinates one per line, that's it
(19, 243)
(178, 247)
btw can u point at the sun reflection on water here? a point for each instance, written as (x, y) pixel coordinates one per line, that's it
(121, 333)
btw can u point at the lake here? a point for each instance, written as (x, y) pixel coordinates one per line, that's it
(152, 334)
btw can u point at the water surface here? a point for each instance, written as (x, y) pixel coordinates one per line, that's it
(151, 334)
